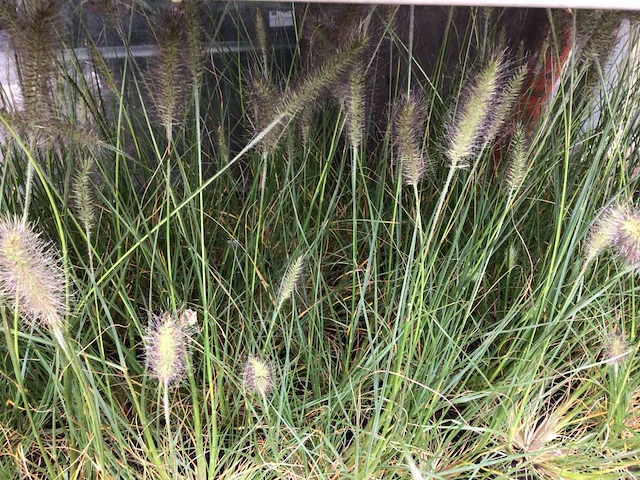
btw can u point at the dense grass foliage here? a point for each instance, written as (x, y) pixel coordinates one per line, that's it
(224, 266)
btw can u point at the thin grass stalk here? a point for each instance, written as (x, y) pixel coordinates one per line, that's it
(354, 247)
(28, 181)
(411, 30)
(172, 459)
(201, 463)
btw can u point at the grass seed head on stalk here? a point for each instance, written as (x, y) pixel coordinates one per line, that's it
(34, 27)
(264, 94)
(263, 44)
(409, 132)
(353, 103)
(505, 104)
(518, 158)
(472, 120)
(258, 376)
(616, 348)
(193, 31)
(627, 236)
(30, 274)
(169, 73)
(290, 281)
(167, 341)
(308, 90)
(83, 193)
(603, 232)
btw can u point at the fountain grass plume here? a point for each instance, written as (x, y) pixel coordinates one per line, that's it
(34, 28)
(601, 233)
(352, 99)
(263, 94)
(505, 104)
(82, 193)
(408, 136)
(308, 90)
(169, 77)
(476, 112)
(263, 44)
(257, 376)
(615, 348)
(167, 341)
(290, 281)
(617, 227)
(30, 274)
(626, 238)
(195, 55)
(518, 159)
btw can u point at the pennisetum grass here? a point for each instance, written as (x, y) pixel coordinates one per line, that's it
(356, 317)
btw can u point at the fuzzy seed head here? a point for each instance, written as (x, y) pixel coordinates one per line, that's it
(170, 72)
(167, 342)
(518, 159)
(30, 274)
(310, 88)
(261, 34)
(616, 348)
(258, 377)
(35, 27)
(505, 103)
(264, 94)
(195, 48)
(409, 131)
(83, 194)
(617, 227)
(290, 281)
(353, 104)
(513, 256)
(627, 238)
(471, 122)
(603, 233)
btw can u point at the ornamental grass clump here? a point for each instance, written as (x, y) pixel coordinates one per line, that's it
(30, 275)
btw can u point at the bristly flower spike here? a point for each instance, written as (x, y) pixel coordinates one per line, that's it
(518, 158)
(31, 275)
(409, 132)
(616, 348)
(505, 104)
(627, 236)
(466, 132)
(602, 233)
(353, 104)
(167, 343)
(170, 76)
(290, 281)
(258, 376)
(617, 227)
